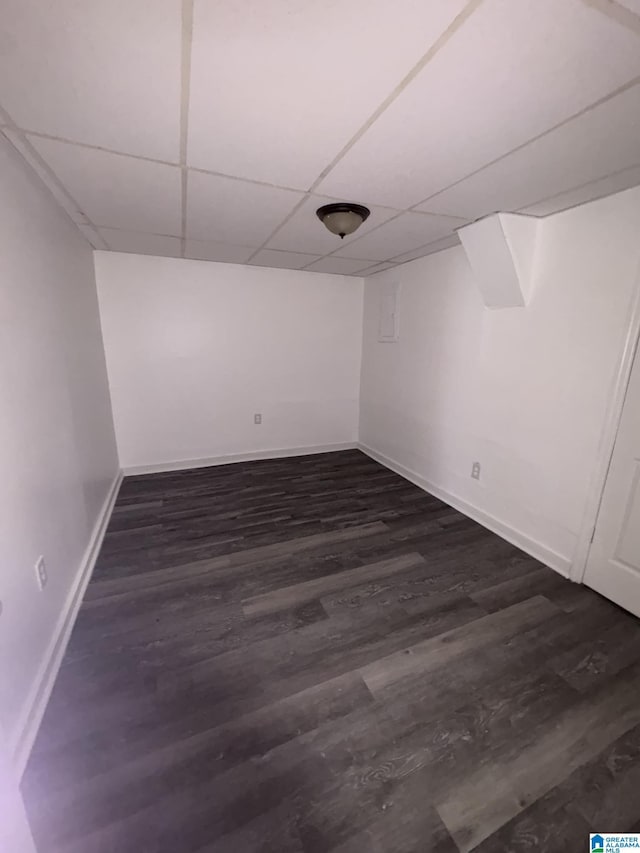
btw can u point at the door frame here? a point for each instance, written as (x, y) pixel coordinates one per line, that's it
(608, 435)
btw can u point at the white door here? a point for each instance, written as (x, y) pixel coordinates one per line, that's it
(613, 565)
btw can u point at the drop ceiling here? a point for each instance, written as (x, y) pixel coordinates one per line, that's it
(213, 129)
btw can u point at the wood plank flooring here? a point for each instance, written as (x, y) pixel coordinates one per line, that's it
(308, 655)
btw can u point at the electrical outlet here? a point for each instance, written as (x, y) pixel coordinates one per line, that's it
(257, 418)
(41, 573)
(475, 471)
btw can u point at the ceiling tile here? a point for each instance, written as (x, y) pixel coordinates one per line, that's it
(408, 231)
(282, 260)
(580, 151)
(339, 266)
(103, 73)
(141, 244)
(225, 253)
(116, 191)
(305, 233)
(278, 88)
(511, 72)
(596, 189)
(429, 249)
(231, 211)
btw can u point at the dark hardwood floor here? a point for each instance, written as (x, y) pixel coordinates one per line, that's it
(313, 655)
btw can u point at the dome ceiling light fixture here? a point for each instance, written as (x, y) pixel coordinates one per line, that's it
(342, 218)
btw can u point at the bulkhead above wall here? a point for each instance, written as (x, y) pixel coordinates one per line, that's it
(501, 252)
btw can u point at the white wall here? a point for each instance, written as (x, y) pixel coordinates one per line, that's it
(56, 434)
(522, 390)
(194, 349)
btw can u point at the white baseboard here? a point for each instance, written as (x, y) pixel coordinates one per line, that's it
(210, 461)
(21, 742)
(536, 549)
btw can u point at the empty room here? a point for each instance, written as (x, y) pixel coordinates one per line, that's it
(320, 426)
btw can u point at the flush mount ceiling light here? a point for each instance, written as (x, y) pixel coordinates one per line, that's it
(342, 218)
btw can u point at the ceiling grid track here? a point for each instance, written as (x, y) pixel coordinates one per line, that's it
(281, 225)
(185, 87)
(24, 132)
(17, 138)
(634, 82)
(617, 12)
(458, 21)
(624, 88)
(435, 48)
(580, 187)
(52, 171)
(456, 24)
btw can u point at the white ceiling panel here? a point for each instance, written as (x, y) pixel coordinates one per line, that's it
(280, 90)
(103, 73)
(596, 189)
(408, 231)
(581, 150)
(304, 232)
(225, 253)
(279, 87)
(230, 211)
(282, 260)
(436, 246)
(141, 244)
(339, 266)
(116, 191)
(514, 70)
